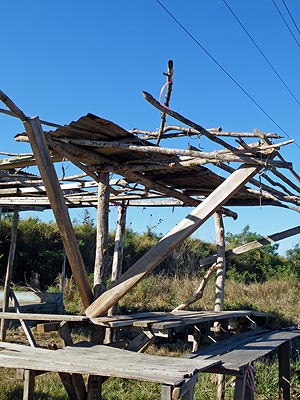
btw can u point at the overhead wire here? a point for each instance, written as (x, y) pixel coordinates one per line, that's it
(285, 22)
(262, 53)
(291, 16)
(195, 40)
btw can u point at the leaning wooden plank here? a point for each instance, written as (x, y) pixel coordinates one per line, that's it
(171, 240)
(41, 153)
(253, 245)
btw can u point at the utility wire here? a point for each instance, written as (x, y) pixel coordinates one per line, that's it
(261, 52)
(223, 69)
(291, 16)
(286, 24)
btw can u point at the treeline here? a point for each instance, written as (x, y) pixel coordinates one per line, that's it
(39, 253)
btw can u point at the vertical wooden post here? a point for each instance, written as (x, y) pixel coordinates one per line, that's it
(63, 276)
(118, 250)
(101, 259)
(41, 153)
(284, 371)
(220, 282)
(94, 386)
(221, 261)
(9, 271)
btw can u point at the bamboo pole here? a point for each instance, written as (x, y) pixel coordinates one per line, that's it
(171, 240)
(9, 272)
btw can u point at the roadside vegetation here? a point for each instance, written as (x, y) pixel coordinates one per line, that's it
(260, 280)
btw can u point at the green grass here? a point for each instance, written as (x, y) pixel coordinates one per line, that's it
(164, 293)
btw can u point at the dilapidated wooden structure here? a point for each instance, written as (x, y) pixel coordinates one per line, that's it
(252, 173)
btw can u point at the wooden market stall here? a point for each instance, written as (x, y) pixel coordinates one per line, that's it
(254, 173)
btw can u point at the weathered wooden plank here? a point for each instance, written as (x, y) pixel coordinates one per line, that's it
(259, 347)
(104, 361)
(43, 317)
(47, 171)
(29, 383)
(171, 240)
(252, 245)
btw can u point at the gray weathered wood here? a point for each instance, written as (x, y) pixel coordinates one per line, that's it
(171, 240)
(101, 258)
(141, 342)
(284, 371)
(9, 272)
(43, 317)
(47, 171)
(103, 361)
(253, 245)
(29, 383)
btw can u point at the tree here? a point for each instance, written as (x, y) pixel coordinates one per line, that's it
(255, 265)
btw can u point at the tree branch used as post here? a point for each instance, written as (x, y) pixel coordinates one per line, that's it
(169, 84)
(101, 259)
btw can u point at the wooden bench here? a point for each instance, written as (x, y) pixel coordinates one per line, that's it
(238, 353)
(177, 376)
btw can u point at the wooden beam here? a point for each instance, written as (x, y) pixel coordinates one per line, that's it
(172, 240)
(221, 261)
(41, 153)
(252, 245)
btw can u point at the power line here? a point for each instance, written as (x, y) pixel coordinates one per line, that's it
(261, 52)
(223, 69)
(290, 14)
(286, 24)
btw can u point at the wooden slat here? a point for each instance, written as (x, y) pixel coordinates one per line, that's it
(43, 317)
(103, 361)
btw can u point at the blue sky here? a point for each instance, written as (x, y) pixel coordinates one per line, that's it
(63, 59)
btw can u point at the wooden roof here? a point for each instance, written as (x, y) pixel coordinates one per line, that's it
(147, 171)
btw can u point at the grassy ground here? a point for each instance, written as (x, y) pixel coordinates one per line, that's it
(163, 293)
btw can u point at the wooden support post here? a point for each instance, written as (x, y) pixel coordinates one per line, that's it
(29, 383)
(172, 240)
(94, 386)
(41, 153)
(284, 371)
(9, 271)
(221, 262)
(220, 282)
(101, 259)
(118, 250)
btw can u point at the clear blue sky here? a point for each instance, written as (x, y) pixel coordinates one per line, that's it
(63, 59)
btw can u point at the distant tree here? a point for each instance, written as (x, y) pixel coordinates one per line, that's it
(293, 260)
(255, 265)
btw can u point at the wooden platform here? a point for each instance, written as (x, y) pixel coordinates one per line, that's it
(168, 320)
(105, 361)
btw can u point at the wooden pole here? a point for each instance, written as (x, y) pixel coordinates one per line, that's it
(221, 262)
(41, 153)
(9, 271)
(118, 250)
(171, 240)
(220, 283)
(101, 259)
